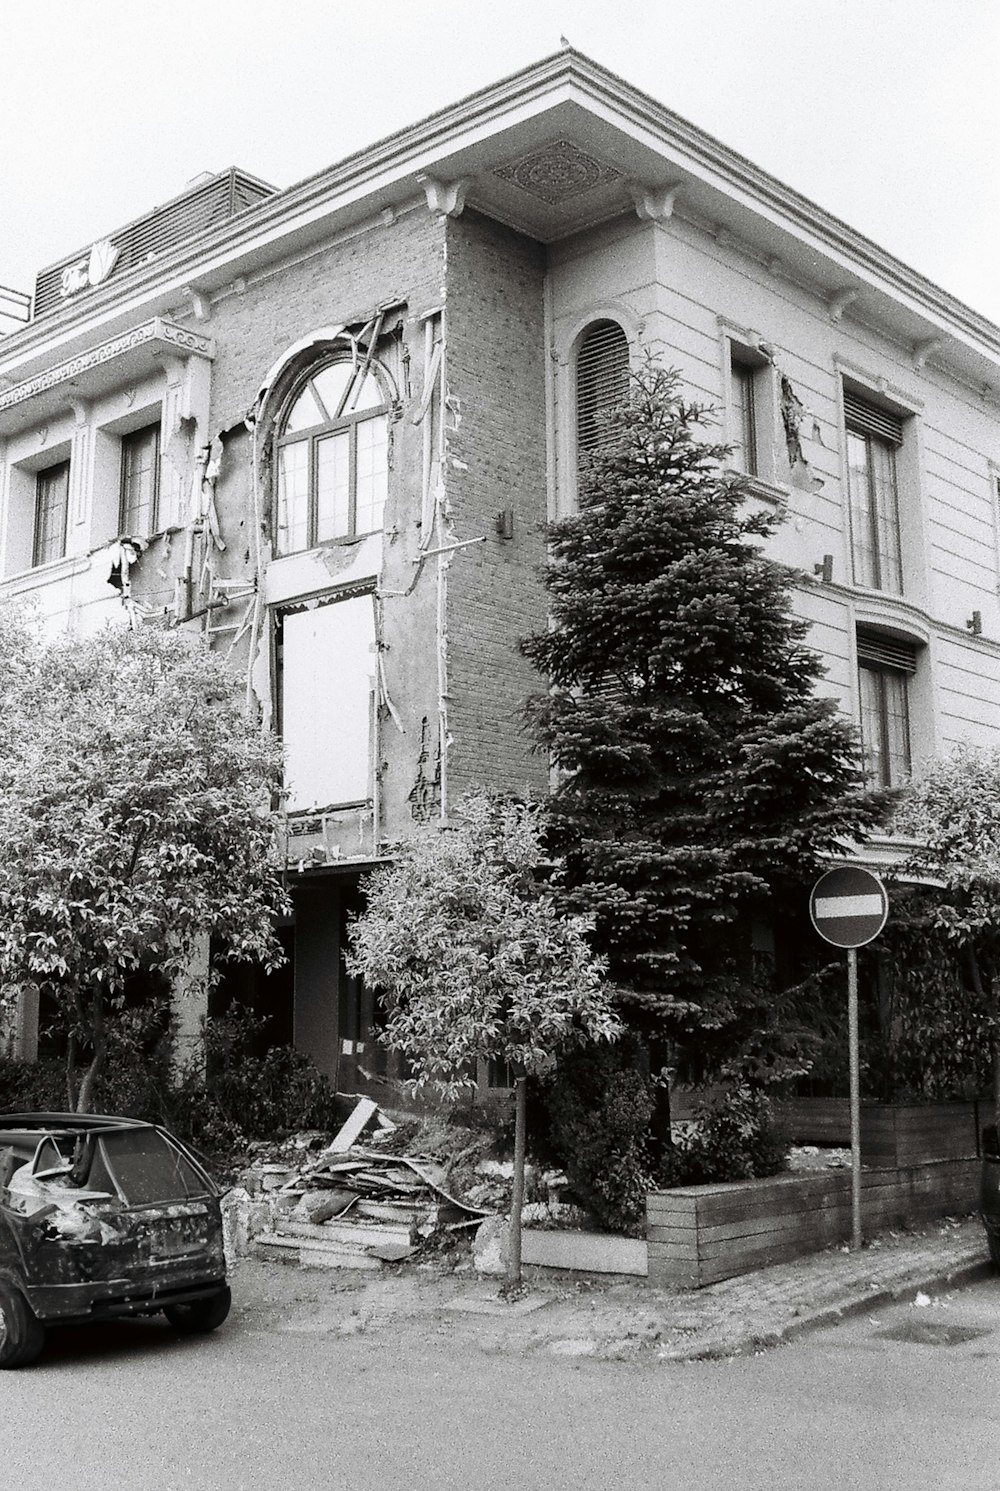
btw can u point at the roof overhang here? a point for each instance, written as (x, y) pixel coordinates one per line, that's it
(553, 150)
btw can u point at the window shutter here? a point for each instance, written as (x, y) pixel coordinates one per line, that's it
(869, 419)
(601, 379)
(879, 651)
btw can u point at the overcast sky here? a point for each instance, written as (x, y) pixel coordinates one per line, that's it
(885, 112)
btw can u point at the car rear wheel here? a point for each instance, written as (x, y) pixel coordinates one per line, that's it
(199, 1316)
(21, 1335)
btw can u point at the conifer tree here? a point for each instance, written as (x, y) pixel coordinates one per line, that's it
(700, 776)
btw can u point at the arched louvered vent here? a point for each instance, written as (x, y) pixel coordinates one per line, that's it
(601, 380)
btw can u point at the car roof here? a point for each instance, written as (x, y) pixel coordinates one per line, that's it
(72, 1122)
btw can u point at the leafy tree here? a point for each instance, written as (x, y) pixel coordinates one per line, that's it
(954, 810)
(135, 818)
(700, 776)
(475, 963)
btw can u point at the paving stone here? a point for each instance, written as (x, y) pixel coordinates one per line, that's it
(469, 1305)
(585, 1347)
(626, 1320)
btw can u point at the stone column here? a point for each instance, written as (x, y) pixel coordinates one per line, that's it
(20, 1026)
(80, 477)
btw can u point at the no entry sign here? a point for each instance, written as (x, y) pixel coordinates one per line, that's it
(848, 906)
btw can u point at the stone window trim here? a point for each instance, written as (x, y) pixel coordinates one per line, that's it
(139, 491)
(884, 673)
(890, 667)
(896, 430)
(749, 412)
(874, 434)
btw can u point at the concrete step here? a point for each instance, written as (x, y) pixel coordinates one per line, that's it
(323, 1255)
(269, 1245)
(313, 1253)
(350, 1234)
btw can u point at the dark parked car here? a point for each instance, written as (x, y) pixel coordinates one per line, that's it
(103, 1217)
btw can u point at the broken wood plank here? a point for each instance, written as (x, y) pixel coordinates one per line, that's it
(364, 1111)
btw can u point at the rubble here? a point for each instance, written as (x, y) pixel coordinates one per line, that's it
(344, 1202)
(383, 1188)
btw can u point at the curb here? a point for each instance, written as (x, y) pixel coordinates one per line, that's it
(801, 1325)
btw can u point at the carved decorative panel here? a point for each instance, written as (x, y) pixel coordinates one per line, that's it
(557, 172)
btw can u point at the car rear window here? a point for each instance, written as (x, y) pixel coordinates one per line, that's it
(144, 1167)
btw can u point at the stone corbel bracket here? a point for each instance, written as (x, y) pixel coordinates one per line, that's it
(840, 300)
(654, 204)
(445, 198)
(201, 304)
(925, 349)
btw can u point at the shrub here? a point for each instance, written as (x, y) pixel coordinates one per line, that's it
(32, 1086)
(599, 1105)
(234, 1094)
(138, 1076)
(736, 1139)
(216, 1106)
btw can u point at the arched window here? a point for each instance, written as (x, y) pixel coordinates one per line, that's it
(601, 381)
(332, 457)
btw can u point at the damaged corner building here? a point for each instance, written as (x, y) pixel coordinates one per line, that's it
(324, 428)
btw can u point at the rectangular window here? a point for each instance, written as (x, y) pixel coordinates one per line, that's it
(743, 416)
(873, 437)
(327, 665)
(140, 483)
(51, 513)
(885, 667)
(333, 486)
(293, 498)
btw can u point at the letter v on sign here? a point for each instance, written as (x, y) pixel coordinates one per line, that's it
(849, 906)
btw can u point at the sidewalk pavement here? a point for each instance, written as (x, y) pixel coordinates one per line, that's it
(622, 1320)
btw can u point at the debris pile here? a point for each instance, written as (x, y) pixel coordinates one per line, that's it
(812, 1157)
(355, 1198)
(381, 1187)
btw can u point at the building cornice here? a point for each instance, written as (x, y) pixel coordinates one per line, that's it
(157, 334)
(800, 212)
(567, 77)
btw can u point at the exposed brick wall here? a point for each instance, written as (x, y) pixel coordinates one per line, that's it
(496, 376)
(403, 259)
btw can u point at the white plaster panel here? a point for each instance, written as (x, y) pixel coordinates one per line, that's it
(327, 683)
(295, 576)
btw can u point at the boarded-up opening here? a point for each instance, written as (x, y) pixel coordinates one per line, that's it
(327, 679)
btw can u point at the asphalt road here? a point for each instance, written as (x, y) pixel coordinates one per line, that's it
(279, 1402)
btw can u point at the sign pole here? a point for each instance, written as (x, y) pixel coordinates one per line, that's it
(855, 1079)
(849, 908)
